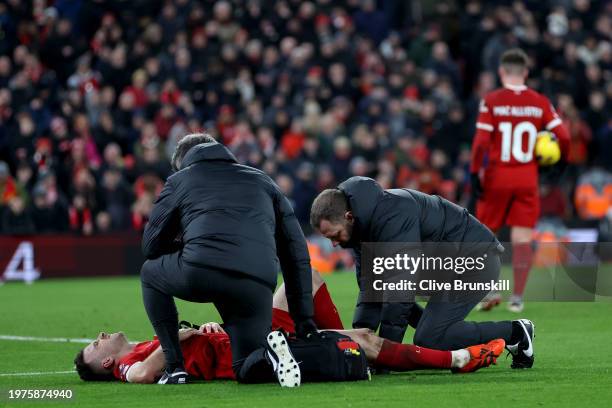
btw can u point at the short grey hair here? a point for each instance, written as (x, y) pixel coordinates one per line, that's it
(185, 144)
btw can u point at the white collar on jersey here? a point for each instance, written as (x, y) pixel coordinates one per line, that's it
(516, 88)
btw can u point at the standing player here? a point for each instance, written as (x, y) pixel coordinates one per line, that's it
(506, 131)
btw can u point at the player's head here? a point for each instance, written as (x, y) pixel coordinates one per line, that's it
(186, 143)
(331, 216)
(513, 65)
(96, 361)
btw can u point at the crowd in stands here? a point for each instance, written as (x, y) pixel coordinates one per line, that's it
(94, 96)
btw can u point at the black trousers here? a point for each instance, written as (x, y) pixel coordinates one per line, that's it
(244, 303)
(442, 325)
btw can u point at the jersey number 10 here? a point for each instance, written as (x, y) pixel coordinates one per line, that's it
(512, 141)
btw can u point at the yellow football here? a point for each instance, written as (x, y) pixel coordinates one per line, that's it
(547, 150)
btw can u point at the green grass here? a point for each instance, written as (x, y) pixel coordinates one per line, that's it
(573, 365)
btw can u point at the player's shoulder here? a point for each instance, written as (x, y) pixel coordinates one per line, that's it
(494, 97)
(495, 93)
(532, 93)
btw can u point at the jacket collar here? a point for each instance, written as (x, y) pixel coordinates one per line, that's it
(207, 152)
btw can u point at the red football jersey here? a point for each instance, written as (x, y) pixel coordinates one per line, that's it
(507, 127)
(207, 356)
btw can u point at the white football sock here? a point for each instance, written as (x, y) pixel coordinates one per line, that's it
(459, 358)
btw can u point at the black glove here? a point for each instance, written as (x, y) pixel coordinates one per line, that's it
(305, 329)
(367, 314)
(476, 185)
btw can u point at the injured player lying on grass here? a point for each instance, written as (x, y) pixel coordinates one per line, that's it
(207, 350)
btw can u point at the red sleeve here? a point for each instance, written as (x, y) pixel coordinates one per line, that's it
(482, 138)
(140, 352)
(554, 124)
(121, 369)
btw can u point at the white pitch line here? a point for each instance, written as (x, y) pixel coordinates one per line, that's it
(44, 339)
(36, 373)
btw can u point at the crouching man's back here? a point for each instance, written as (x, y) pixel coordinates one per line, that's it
(228, 213)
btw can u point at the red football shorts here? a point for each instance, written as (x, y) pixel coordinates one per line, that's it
(282, 320)
(509, 200)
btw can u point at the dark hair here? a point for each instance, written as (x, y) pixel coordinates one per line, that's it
(187, 143)
(514, 60)
(330, 205)
(85, 371)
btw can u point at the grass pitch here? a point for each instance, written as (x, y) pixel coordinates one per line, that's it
(573, 362)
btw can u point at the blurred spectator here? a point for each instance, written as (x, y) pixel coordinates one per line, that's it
(604, 146)
(593, 196)
(104, 223)
(341, 158)
(580, 138)
(81, 216)
(304, 192)
(141, 210)
(8, 187)
(553, 202)
(48, 215)
(16, 219)
(117, 198)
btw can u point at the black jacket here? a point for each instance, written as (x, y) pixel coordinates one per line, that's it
(404, 215)
(232, 217)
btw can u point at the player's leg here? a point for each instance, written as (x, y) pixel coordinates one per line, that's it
(326, 314)
(492, 210)
(523, 216)
(390, 355)
(159, 303)
(522, 259)
(394, 356)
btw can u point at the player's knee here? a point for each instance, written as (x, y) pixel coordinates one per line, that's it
(145, 271)
(521, 234)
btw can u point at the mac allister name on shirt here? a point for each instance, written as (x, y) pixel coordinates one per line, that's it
(520, 111)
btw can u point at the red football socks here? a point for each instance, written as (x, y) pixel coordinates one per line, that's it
(522, 257)
(325, 313)
(406, 357)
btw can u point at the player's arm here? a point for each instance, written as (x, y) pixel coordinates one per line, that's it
(163, 225)
(367, 314)
(367, 340)
(149, 370)
(395, 316)
(554, 124)
(480, 144)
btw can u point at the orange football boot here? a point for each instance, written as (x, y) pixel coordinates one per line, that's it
(483, 355)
